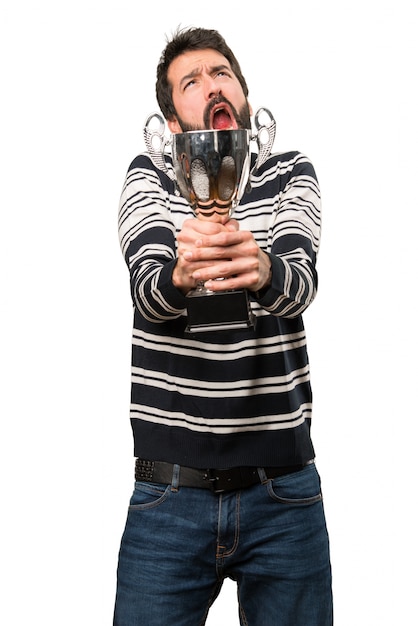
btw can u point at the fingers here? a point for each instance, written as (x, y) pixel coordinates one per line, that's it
(205, 241)
(194, 228)
(246, 272)
(242, 272)
(208, 251)
(233, 245)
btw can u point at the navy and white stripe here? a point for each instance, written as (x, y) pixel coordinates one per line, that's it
(226, 398)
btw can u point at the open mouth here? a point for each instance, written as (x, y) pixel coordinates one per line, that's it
(222, 118)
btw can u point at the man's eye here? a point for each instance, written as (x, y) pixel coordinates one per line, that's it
(189, 84)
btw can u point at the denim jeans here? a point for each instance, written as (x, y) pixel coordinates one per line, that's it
(180, 543)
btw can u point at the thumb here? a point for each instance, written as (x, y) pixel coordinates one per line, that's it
(232, 225)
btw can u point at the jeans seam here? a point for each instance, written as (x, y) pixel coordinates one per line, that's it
(243, 617)
(234, 546)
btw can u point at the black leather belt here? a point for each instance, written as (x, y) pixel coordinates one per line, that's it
(217, 480)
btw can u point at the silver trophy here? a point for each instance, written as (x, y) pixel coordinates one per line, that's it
(212, 172)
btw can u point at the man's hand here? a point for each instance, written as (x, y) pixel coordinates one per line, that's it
(208, 251)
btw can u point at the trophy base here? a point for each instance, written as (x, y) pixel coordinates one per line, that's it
(220, 310)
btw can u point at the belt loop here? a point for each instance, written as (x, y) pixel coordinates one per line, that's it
(262, 475)
(176, 478)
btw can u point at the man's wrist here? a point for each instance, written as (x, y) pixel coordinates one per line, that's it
(263, 290)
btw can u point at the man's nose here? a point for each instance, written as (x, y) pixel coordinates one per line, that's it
(211, 88)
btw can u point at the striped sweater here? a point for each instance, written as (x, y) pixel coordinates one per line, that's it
(225, 398)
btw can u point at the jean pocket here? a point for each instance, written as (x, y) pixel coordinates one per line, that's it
(148, 495)
(299, 488)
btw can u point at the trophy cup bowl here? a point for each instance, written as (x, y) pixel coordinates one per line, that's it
(212, 170)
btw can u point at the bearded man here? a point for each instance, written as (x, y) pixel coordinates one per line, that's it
(226, 483)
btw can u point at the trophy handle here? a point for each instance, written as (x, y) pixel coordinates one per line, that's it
(265, 136)
(156, 142)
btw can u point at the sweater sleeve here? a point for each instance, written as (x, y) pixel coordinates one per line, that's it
(295, 240)
(148, 242)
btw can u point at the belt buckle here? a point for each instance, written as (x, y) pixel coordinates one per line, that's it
(211, 477)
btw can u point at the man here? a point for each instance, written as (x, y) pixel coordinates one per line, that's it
(226, 484)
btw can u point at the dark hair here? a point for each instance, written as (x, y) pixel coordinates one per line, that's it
(184, 40)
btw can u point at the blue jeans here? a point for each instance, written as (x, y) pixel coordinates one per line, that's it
(180, 543)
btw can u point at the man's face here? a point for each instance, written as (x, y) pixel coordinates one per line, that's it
(206, 93)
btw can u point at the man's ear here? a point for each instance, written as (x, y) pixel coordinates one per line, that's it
(174, 126)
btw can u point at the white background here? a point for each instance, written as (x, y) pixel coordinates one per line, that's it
(77, 84)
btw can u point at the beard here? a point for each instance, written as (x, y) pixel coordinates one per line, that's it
(242, 117)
